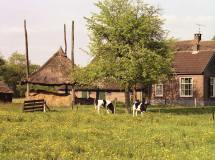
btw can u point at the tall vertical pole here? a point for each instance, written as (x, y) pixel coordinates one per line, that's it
(73, 61)
(65, 39)
(73, 45)
(65, 42)
(27, 59)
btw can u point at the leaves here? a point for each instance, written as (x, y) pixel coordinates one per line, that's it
(14, 70)
(128, 43)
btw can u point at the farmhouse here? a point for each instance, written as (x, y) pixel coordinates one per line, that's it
(193, 82)
(5, 93)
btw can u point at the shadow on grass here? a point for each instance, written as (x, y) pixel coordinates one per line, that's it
(184, 110)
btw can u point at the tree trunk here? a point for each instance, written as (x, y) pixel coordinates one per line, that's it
(134, 94)
(127, 100)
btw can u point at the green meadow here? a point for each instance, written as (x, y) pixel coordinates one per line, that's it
(162, 133)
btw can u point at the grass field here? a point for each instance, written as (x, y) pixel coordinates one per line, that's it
(65, 134)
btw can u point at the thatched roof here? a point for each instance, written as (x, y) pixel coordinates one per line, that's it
(4, 88)
(56, 71)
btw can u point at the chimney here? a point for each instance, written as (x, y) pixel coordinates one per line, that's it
(197, 38)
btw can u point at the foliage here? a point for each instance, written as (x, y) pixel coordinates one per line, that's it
(65, 134)
(2, 63)
(213, 38)
(14, 70)
(128, 43)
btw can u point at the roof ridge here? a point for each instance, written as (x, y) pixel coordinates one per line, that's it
(60, 51)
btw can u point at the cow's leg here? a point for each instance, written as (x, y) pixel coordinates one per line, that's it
(108, 111)
(133, 112)
(136, 112)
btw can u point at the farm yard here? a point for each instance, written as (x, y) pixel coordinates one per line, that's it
(162, 133)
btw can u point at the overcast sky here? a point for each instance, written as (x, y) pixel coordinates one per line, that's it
(45, 19)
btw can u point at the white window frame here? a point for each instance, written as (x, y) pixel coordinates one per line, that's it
(191, 87)
(212, 96)
(158, 95)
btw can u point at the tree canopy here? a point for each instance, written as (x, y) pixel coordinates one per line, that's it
(128, 43)
(213, 38)
(13, 71)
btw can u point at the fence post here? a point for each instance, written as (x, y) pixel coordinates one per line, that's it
(115, 101)
(213, 114)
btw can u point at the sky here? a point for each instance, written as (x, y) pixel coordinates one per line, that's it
(45, 20)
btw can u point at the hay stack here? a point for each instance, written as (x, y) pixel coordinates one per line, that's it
(52, 99)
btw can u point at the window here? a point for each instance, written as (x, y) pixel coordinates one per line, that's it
(212, 87)
(85, 94)
(159, 90)
(186, 87)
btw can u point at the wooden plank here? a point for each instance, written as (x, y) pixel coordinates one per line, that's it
(35, 110)
(34, 104)
(39, 100)
(28, 107)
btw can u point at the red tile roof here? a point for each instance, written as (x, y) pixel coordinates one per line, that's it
(185, 62)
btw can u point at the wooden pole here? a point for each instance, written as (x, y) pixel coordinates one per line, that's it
(213, 115)
(65, 39)
(73, 44)
(73, 61)
(27, 59)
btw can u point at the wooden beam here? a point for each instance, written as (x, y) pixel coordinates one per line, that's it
(27, 59)
(65, 39)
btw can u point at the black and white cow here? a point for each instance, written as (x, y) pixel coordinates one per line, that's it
(108, 105)
(139, 107)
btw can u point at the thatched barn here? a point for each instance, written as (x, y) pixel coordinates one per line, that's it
(6, 93)
(55, 72)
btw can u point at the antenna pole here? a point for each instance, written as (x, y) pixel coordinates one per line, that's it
(27, 59)
(65, 39)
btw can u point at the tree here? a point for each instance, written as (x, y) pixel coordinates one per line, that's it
(213, 38)
(129, 43)
(15, 71)
(2, 63)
